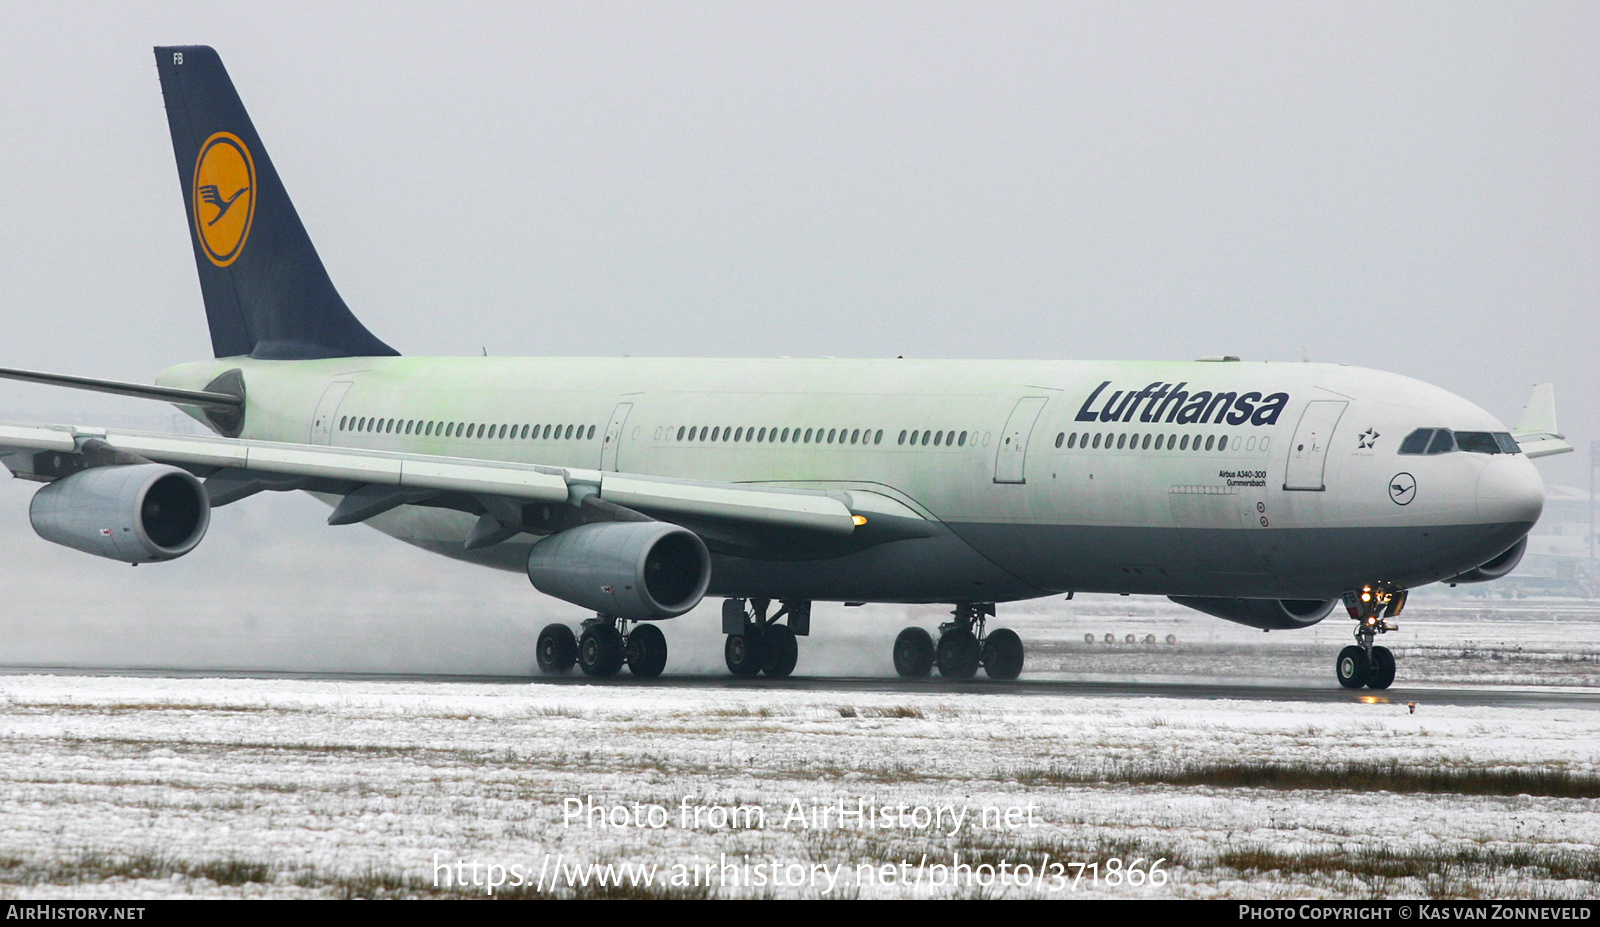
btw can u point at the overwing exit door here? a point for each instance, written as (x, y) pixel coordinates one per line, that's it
(608, 451)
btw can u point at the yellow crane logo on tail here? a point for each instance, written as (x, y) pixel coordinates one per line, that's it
(224, 197)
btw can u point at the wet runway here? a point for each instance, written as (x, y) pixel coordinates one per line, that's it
(1265, 690)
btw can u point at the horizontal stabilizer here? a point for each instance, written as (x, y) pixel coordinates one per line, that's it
(184, 397)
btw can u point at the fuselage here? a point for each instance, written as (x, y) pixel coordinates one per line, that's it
(1036, 477)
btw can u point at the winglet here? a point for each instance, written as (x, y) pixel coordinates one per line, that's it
(1536, 433)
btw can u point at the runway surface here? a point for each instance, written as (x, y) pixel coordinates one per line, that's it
(1265, 690)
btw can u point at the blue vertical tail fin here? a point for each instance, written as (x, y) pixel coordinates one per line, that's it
(266, 292)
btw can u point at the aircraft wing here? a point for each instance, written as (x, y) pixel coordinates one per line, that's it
(373, 482)
(1536, 433)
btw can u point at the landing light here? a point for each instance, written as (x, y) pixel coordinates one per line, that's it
(858, 520)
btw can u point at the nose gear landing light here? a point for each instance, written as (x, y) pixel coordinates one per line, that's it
(1365, 664)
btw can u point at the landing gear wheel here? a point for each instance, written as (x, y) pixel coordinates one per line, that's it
(1381, 673)
(783, 650)
(913, 653)
(1002, 654)
(1352, 668)
(557, 650)
(958, 655)
(744, 653)
(600, 650)
(647, 651)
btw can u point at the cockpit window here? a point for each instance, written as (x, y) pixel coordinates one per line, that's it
(1443, 441)
(1416, 442)
(1483, 442)
(1428, 441)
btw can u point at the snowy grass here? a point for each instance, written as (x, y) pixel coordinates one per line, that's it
(1393, 776)
(278, 788)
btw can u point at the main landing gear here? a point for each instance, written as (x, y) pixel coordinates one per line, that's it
(756, 642)
(1365, 664)
(604, 648)
(962, 648)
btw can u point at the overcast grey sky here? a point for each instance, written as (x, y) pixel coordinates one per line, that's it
(1409, 186)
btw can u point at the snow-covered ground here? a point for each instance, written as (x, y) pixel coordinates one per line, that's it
(153, 787)
(244, 787)
(1441, 640)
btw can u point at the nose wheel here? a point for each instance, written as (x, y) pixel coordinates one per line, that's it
(1366, 664)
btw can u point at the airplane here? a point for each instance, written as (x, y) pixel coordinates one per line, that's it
(1260, 493)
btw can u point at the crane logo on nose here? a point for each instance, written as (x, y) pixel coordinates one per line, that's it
(1402, 488)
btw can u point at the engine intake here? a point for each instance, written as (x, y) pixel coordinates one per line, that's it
(1267, 614)
(135, 513)
(639, 570)
(1496, 568)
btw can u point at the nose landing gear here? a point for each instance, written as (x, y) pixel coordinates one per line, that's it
(1365, 664)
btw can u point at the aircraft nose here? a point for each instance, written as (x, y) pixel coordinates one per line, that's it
(1510, 490)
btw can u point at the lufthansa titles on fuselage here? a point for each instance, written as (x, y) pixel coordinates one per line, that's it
(1174, 405)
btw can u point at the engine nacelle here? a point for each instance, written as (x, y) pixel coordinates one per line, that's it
(631, 569)
(1495, 568)
(1267, 614)
(136, 513)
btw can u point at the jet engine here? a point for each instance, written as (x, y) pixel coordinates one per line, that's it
(639, 570)
(135, 513)
(1495, 568)
(1267, 614)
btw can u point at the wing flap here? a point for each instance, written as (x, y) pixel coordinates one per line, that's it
(38, 437)
(518, 482)
(726, 501)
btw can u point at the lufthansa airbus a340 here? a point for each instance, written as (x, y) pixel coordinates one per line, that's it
(1259, 493)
